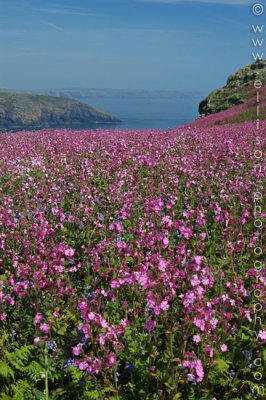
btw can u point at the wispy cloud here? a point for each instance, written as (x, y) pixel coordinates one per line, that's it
(225, 2)
(54, 26)
(67, 11)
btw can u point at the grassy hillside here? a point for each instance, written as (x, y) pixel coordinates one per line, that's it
(238, 89)
(237, 101)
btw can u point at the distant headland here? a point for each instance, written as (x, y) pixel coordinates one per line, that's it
(26, 110)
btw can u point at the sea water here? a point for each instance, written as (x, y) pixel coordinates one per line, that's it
(153, 113)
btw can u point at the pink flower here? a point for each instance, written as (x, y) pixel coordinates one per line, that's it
(186, 232)
(262, 335)
(157, 310)
(205, 281)
(203, 236)
(69, 252)
(199, 290)
(36, 340)
(45, 328)
(115, 284)
(224, 348)
(112, 226)
(195, 280)
(59, 268)
(116, 225)
(167, 221)
(199, 370)
(38, 318)
(198, 259)
(111, 360)
(189, 298)
(196, 339)
(162, 264)
(150, 300)
(142, 278)
(213, 322)
(103, 323)
(119, 227)
(165, 243)
(91, 316)
(3, 316)
(77, 350)
(164, 305)
(200, 323)
(121, 245)
(209, 350)
(83, 365)
(194, 366)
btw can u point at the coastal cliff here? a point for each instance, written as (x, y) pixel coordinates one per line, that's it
(21, 110)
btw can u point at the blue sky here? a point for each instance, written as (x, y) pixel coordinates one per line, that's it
(130, 44)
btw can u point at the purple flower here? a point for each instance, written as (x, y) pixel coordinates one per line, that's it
(150, 325)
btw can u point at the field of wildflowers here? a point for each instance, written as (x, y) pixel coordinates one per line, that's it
(129, 264)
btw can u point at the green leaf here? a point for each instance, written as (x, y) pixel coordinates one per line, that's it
(177, 396)
(222, 365)
(244, 337)
(39, 395)
(5, 370)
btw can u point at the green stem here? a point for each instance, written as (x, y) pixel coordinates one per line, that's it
(115, 376)
(46, 375)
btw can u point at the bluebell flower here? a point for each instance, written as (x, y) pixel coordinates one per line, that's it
(100, 217)
(86, 289)
(52, 346)
(116, 375)
(232, 373)
(68, 362)
(91, 296)
(118, 238)
(84, 340)
(247, 355)
(13, 334)
(129, 366)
